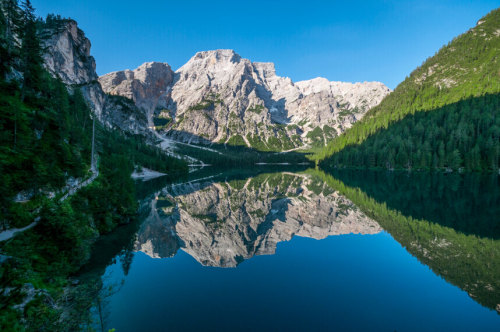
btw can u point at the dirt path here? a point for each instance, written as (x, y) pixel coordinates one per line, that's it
(5, 235)
(10, 233)
(71, 191)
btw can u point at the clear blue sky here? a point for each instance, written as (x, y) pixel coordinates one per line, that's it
(340, 40)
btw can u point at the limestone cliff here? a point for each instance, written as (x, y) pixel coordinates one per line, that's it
(148, 86)
(67, 56)
(218, 96)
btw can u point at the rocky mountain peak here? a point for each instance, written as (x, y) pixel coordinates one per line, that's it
(148, 86)
(213, 56)
(265, 69)
(218, 96)
(151, 71)
(216, 64)
(67, 56)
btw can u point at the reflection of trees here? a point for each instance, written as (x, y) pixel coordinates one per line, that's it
(126, 261)
(468, 203)
(87, 299)
(87, 302)
(101, 301)
(467, 261)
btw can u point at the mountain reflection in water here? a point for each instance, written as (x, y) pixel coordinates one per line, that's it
(222, 224)
(433, 252)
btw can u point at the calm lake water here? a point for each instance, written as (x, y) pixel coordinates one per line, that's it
(293, 249)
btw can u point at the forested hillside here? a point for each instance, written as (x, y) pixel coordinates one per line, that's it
(46, 131)
(445, 114)
(464, 134)
(46, 135)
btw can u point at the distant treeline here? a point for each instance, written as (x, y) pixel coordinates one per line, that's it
(460, 135)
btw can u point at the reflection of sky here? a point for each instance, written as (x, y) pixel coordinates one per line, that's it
(347, 282)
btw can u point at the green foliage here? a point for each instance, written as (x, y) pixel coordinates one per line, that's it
(208, 219)
(41, 147)
(460, 135)
(475, 264)
(207, 103)
(236, 140)
(11, 26)
(237, 184)
(302, 123)
(345, 112)
(161, 123)
(52, 23)
(45, 138)
(257, 142)
(138, 152)
(256, 109)
(466, 68)
(316, 137)
(280, 142)
(60, 244)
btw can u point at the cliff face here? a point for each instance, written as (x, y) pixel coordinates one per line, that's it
(148, 86)
(67, 56)
(217, 96)
(222, 224)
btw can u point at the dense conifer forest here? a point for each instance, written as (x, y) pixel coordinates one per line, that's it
(465, 134)
(410, 128)
(46, 133)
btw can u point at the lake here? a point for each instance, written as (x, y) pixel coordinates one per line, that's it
(296, 249)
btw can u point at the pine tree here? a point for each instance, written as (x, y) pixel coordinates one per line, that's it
(31, 57)
(3, 44)
(13, 28)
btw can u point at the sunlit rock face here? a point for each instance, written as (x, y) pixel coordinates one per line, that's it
(218, 96)
(148, 86)
(67, 56)
(222, 224)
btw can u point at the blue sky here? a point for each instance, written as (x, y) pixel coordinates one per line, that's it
(340, 40)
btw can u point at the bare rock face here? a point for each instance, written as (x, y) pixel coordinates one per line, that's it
(217, 96)
(222, 224)
(67, 56)
(148, 86)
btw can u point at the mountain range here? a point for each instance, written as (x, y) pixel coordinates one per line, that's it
(220, 99)
(216, 97)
